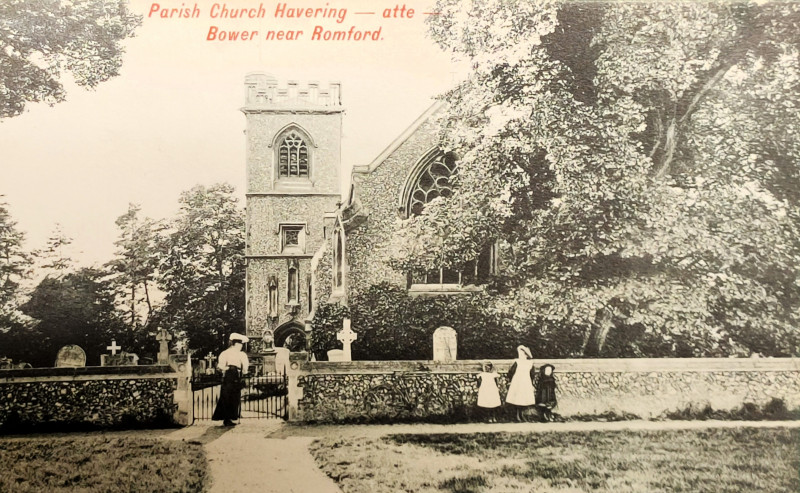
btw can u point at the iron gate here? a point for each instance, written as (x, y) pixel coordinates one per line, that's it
(263, 396)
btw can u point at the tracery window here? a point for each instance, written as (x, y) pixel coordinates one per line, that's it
(432, 179)
(293, 157)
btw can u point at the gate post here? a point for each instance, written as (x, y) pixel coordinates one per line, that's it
(296, 363)
(182, 364)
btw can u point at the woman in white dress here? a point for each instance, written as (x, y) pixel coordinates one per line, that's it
(521, 393)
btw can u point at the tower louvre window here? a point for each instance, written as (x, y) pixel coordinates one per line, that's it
(293, 157)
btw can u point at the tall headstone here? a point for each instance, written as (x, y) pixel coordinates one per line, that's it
(346, 336)
(445, 344)
(163, 337)
(71, 356)
(281, 359)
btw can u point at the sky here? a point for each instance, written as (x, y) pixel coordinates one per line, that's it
(171, 119)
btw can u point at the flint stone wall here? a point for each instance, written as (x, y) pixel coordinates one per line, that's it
(105, 397)
(647, 388)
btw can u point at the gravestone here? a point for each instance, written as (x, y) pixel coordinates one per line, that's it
(209, 361)
(281, 359)
(71, 356)
(121, 359)
(336, 355)
(163, 337)
(445, 344)
(346, 336)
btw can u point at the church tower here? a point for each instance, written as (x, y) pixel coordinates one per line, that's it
(293, 186)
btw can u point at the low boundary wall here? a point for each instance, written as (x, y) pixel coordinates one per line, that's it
(647, 388)
(98, 396)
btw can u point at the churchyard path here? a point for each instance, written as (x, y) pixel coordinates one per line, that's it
(272, 456)
(248, 458)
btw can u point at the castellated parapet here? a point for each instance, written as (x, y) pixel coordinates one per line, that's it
(262, 90)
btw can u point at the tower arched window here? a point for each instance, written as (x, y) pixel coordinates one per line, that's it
(433, 178)
(293, 156)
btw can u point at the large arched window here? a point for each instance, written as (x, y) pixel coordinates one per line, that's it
(293, 158)
(432, 178)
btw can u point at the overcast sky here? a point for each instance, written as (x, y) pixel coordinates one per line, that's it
(171, 120)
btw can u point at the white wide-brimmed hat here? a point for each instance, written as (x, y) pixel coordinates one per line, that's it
(239, 338)
(525, 350)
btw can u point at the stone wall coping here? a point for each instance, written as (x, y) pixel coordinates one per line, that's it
(29, 375)
(621, 365)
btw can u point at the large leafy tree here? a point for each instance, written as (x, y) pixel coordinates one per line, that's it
(134, 266)
(202, 269)
(638, 161)
(42, 40)
(77, 308)
(14, 262)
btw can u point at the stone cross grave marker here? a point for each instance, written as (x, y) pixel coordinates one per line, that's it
(71, 356)
(210, 363)
(163, 337)
(445, 344)
(346, 336)
(113, 347)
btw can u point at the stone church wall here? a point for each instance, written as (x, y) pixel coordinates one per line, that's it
(369, 244)
(646, 388)
(96, 396)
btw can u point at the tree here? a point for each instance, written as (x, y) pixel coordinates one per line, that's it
(77, 308)
(42, 40)
(14, 261)
(54, 259)
(639, 164)
(202, 269)
(135, 265)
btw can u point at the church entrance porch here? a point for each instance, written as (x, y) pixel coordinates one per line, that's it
(292, 336)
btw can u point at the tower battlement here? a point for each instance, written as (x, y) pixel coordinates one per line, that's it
(262, 89)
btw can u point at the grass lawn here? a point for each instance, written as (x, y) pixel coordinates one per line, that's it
(100, 464)
(707, 460)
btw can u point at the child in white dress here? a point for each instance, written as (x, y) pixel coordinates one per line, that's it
(488, 393)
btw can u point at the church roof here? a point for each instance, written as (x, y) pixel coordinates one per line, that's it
(407, 133)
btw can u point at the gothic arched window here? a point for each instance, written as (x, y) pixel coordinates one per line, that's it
(432, 178)
(293, 159)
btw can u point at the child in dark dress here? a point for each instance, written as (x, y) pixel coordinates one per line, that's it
(546, 392)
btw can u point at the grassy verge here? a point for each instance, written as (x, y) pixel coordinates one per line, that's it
(100, 464)
(708, 460)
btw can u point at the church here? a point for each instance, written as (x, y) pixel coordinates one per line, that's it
(309, 243)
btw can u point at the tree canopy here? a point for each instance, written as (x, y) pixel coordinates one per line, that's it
(639, 164)
(41, 41)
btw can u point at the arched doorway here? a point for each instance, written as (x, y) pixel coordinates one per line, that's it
(292, 336)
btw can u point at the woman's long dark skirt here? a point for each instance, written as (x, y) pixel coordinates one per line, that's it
(230, 396)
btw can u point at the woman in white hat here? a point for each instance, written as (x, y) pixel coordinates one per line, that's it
(520, 391)
(234, 363)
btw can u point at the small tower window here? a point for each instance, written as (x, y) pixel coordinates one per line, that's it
(292, 238)
(293, 157)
